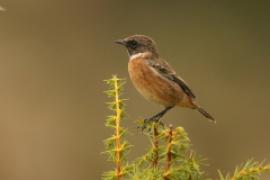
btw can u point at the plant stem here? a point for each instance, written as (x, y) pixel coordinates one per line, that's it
(117, 131)
(155, 145)
(169, 152)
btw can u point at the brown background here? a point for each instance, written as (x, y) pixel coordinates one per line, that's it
(55, 54)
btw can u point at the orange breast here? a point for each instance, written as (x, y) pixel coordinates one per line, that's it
(152, 85)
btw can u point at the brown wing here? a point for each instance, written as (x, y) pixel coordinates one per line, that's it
(166, 71)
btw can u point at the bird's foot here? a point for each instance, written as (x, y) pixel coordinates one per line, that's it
(146, 124)
(155, 119)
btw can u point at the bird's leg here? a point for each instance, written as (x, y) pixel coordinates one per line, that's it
(159, 115)
(155, 118)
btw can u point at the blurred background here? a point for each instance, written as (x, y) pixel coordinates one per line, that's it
(55, 54)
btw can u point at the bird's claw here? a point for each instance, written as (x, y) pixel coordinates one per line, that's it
(148, 121)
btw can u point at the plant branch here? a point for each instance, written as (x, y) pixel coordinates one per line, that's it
(117, 130)
(155, 145)
(169, 137)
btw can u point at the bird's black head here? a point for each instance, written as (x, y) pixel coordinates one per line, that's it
(138, 44)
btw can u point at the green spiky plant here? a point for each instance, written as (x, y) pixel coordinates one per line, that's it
(169, 156)
(248, 171)
(116, 146)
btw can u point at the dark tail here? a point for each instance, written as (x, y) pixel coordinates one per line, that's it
(205, 113)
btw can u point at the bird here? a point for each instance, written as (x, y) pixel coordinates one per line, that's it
(155, 79)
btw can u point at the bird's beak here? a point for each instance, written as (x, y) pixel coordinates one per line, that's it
(120, 41)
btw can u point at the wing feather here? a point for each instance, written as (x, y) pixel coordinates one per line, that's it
(166, 71)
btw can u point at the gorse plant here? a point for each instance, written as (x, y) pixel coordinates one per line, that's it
(116, 146)
(248, 171)
(169, 156)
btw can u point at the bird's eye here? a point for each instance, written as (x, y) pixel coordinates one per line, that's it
(133, 44)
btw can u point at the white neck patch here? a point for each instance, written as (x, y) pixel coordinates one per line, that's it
(138, 55)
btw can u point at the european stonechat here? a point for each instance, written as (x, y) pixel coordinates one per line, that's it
(155, 79)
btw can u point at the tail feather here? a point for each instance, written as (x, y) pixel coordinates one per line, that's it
(205, 113)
